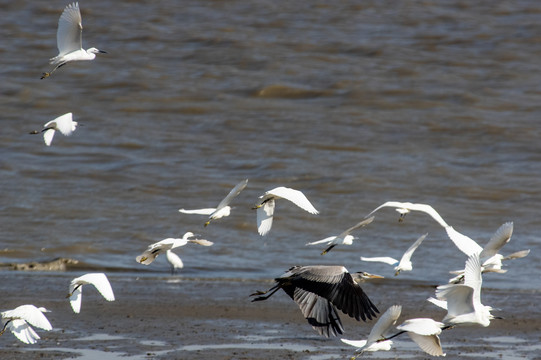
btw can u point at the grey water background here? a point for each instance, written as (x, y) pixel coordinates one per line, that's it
(354, 103)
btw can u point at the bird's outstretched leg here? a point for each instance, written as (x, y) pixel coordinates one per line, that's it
(5, 326)
(392, 336)
(69, 295)
(47, 74)
(327, 249)
(37, 132)
(260, 298)
(257, 206)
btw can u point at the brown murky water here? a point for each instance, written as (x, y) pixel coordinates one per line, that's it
(354, 103)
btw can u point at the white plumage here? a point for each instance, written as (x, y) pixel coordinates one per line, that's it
(223, 209)
(64, 124)
(69, 39)
(490, 259)
(464, 305)
(265, 207)
(100, 282)
(18, 321)
(153, 250)
(378, 332)
(405, 262)
(343, 239)
(424, 332)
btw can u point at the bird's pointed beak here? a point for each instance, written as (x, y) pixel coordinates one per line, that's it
(103, 52)
(373, 276)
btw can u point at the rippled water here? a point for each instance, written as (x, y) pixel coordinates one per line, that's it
(352, 103)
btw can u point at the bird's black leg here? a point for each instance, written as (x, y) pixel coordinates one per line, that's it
(328, 249)
(392, 336)
(5, 326)
(260, 298)
(47, 74)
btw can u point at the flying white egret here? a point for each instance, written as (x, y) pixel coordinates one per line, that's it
(69, 40)
(223, 209)
(378, 332)
(153, 250)
(464, 305)
(100, 282)
(265, 207)
(174, 260)
(425, 333)
(18, 321)
(343, 239)
(490, 258)
(64, 124)
(405, 262)
(319, 291)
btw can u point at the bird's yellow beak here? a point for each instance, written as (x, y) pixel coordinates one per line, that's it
(372, 276)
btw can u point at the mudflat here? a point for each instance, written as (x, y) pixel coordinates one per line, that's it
(178, 317)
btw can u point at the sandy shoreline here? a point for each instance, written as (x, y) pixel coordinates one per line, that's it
(172, 317)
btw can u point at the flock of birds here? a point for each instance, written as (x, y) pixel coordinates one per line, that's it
(319, 291)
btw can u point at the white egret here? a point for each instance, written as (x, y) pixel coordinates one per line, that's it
(265, 207)
(18, 321)
(174, 260)
(378, 332)
(464, 305)
(223, 209)
(490, 258)
(424, 332)
(153, 250)
(405, 262)
(343, 239)
(69, 40)
(320, 290)
(64, 124)
(100, 282)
